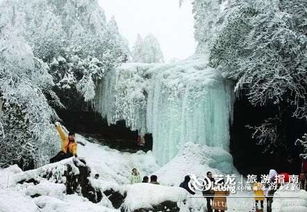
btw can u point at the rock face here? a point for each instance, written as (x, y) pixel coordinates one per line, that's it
(75, 181)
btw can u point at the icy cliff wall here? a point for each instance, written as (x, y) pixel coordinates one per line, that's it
(178, 103)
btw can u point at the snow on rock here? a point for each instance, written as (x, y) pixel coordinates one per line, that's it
(46, 188)
(53, 172)
(178, 103)
(146, 196)
(70, 176)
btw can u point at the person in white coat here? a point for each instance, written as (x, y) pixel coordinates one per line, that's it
(271, 188)
(135, 176)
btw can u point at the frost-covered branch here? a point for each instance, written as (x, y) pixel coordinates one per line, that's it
(266, 133)
(303, 143)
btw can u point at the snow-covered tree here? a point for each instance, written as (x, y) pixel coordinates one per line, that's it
(74, 28)
(147, 50)
(26, 135)
(137, 49)
(208, 16)
(48, 48)
(263, 47)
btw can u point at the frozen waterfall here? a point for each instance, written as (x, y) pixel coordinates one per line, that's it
(178, 103)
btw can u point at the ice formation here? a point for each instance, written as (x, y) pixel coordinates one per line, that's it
(178, 103)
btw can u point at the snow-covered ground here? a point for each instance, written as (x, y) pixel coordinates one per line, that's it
(114, 168)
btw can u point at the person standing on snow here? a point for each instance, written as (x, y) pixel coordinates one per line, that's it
(209, 180)
(258, 189)
(68, 144)
(303, 174)
(135, 176)
(272, 188)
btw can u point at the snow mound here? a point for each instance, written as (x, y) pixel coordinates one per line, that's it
(144, 195)
(195, 159)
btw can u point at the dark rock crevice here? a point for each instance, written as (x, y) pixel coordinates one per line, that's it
(91, 125)
(250, 158)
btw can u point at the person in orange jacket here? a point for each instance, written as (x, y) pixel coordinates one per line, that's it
(259, 193)
(68, 144)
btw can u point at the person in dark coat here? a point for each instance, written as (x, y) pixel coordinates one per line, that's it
(154, 179)
(209, 193)
(303, 174)
(185, 184)
(145, 179)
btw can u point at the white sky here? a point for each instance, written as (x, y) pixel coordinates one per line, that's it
(170, 24)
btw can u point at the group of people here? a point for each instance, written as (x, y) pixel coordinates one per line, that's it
(216, 200)
(136, 178)
(265, 191)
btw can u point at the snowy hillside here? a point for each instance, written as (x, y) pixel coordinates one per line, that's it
(36, 190)
(178, 103)
(114, 169)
